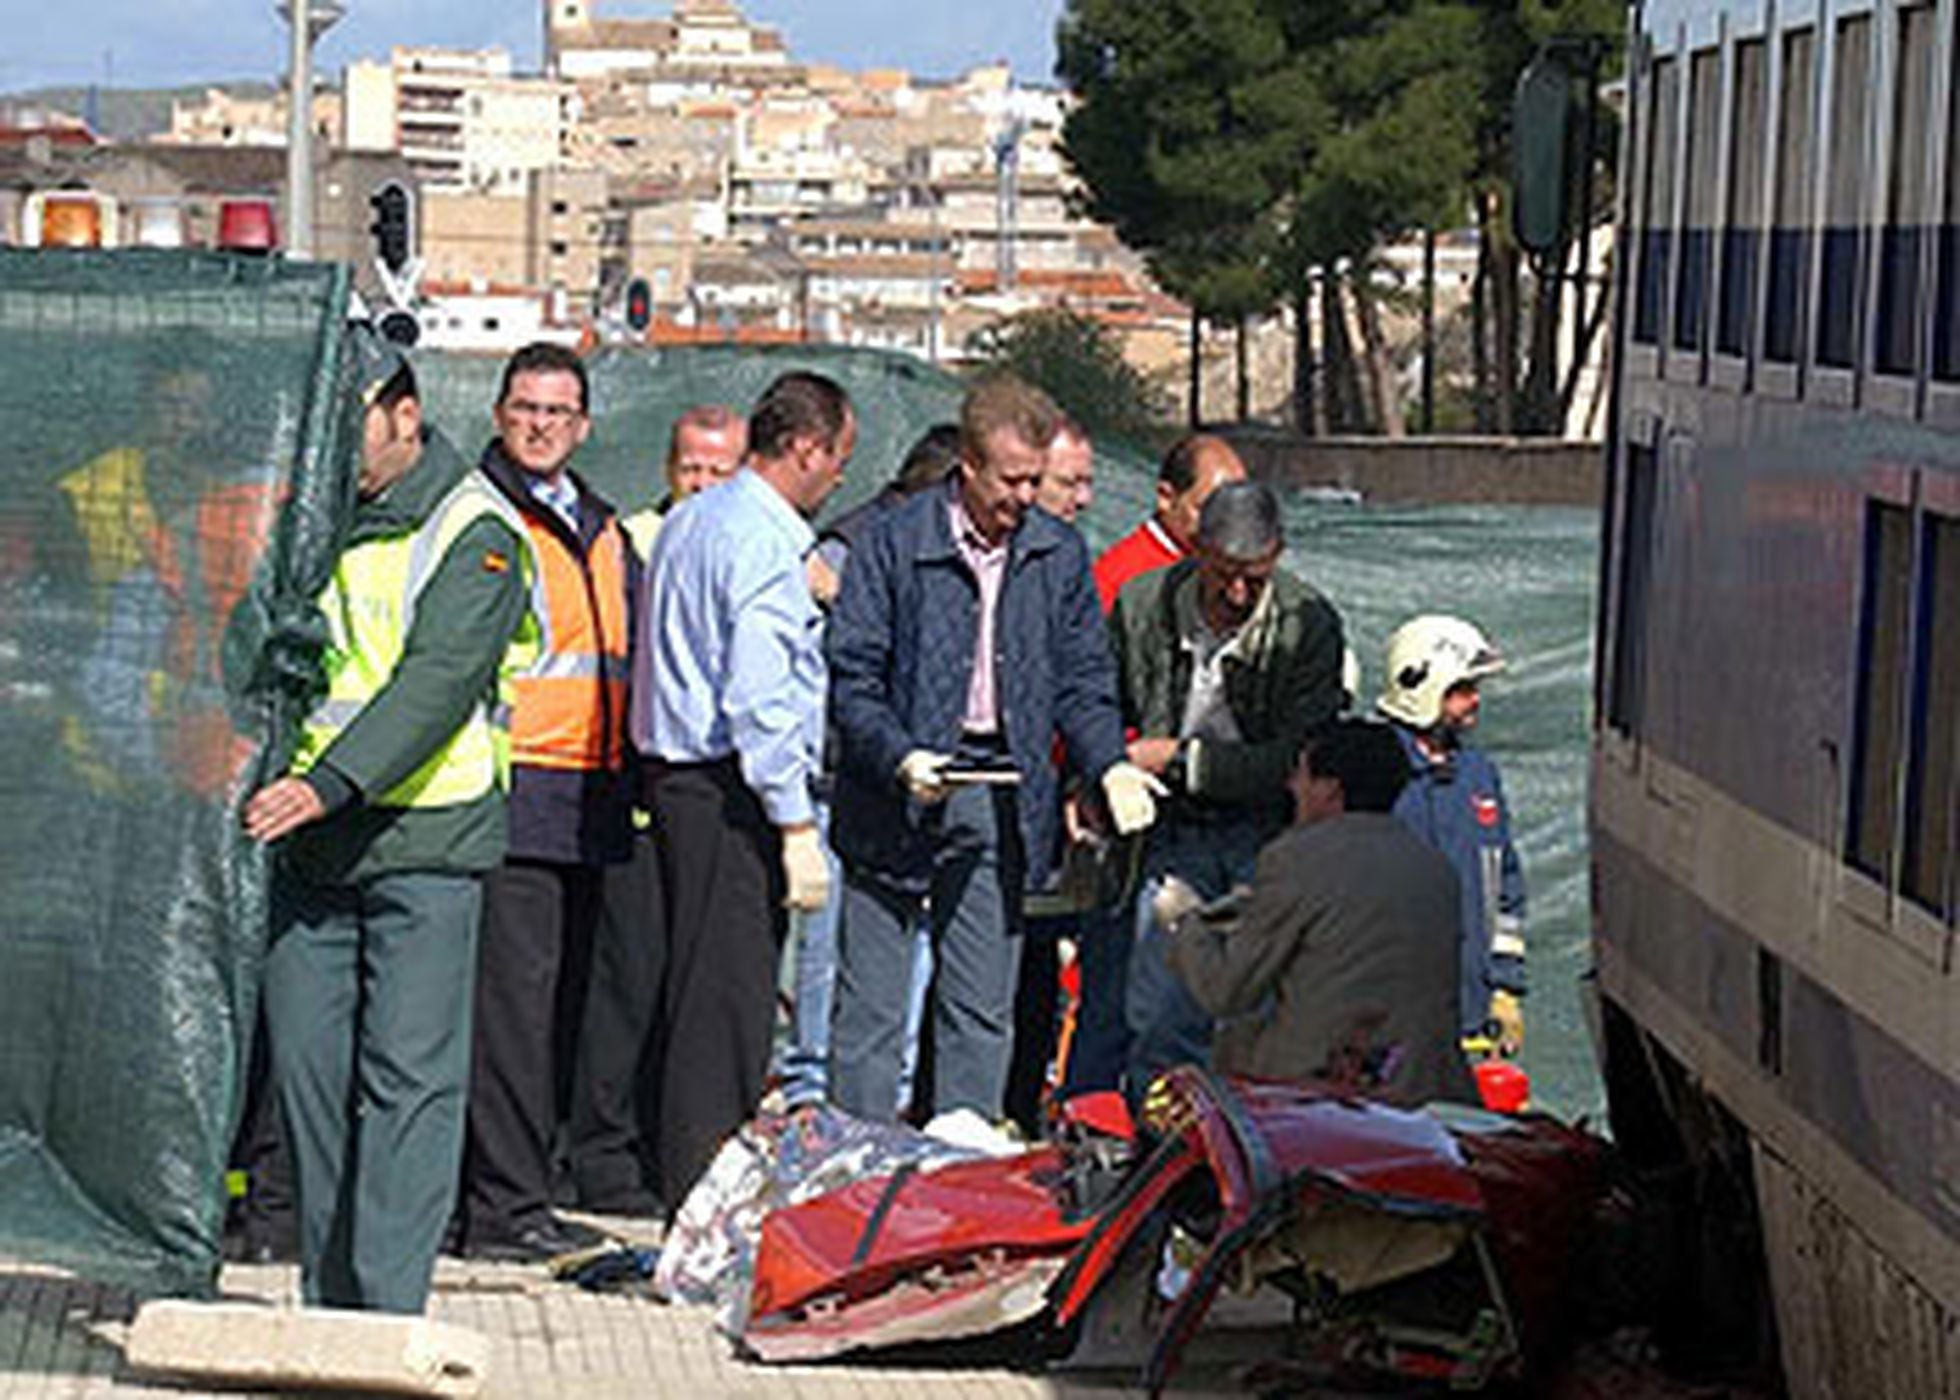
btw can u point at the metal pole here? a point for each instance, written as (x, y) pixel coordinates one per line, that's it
(299, 137)
(1583, 203)
(932, 340)
(1428, 331)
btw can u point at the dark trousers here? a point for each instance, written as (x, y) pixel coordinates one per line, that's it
(532, 958)
(975, 905)
(265, 1216)
(367, 996)
(721, 860)
(615, 1092)
(1037, 1008)
(1100, 1050)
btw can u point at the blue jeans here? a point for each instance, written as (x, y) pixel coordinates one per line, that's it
(805, 1060)
(1167, 1026)
(974, 903)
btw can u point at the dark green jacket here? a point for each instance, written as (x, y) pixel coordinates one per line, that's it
(1283, 682)
(464, 619)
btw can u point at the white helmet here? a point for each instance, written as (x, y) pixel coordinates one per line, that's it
(1426, 656)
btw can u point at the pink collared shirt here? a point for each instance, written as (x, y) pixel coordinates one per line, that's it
(989, 565)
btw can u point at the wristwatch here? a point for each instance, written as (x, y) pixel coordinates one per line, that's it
(1177, 773)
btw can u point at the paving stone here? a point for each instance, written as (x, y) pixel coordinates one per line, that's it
(544, 1340)
(253, 1343)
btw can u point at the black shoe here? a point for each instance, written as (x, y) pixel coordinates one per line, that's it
(633, 1202)
(536, 1243)
(263, 1240)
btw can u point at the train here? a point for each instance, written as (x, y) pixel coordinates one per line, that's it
(1775, 754)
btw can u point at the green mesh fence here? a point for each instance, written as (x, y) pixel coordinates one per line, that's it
(174, 464)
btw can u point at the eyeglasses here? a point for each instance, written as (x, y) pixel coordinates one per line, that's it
(553, 413)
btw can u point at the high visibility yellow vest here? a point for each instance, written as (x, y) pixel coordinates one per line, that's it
(370, 606)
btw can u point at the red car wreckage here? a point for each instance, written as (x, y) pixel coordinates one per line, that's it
(1426, 1245)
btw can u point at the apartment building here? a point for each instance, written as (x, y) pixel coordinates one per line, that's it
(222, 118)
(462, 118)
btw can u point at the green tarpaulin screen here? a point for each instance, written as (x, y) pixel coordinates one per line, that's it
(174, 461)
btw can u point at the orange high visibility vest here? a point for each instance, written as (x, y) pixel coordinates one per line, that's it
(569, 710)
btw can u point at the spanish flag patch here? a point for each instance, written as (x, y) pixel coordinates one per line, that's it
(495, 563)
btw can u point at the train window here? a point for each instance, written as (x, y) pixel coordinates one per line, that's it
(1927, 876)
(1636, 546)
(1742, 230)
(1702, 176)
(1844, 195)
(1946, 315)
(1789, 237)
(1657, 202)
(1908, 200)
(1884, 644)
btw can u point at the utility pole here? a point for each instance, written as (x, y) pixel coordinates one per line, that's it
(309, 19)
(932, 284)
(1007, 199)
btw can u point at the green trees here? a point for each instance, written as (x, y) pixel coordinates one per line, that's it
(1187, 139)
(1080, 367)
(1246, 145)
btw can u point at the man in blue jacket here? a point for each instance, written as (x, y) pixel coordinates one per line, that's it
(1456, 803)
(966, 638)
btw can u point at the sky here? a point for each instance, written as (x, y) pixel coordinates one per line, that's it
(148, 43)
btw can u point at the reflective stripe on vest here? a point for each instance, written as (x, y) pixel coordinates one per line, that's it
(370, 607)
(570, 710)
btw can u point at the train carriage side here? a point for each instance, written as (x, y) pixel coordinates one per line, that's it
(1776, 752)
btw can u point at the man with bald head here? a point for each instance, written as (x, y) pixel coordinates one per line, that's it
(706, 446)
(1068, 478)
(1196, 466)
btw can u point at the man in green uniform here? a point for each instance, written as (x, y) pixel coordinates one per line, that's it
(391, 812)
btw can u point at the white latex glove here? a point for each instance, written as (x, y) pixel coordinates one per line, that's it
(1132, 796)
(920, 771)
(1173, 901)
(805, 870)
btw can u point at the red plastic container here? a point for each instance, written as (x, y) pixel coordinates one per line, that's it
(1505, 1088)
(247, 226)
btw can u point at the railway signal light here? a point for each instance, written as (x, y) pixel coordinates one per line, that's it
(394, 225)
(639, 305)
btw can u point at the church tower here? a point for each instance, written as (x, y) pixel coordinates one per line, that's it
(563, 17)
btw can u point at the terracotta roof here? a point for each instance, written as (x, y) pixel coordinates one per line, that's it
(59, 137)
(1104, 285)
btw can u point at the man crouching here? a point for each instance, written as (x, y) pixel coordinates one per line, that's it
(1340, 963)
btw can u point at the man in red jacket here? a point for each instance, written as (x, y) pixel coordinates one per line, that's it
(1197, 466)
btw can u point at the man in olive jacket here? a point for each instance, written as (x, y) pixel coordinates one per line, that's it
(391, 813)
(1226, 663)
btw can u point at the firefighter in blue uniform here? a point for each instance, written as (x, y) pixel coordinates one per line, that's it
(1455, 802)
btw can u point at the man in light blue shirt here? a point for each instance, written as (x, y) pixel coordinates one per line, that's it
(728, 703)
